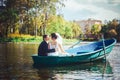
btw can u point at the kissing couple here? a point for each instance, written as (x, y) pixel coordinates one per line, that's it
(53, 47)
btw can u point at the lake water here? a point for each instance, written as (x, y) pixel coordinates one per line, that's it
(16, 64)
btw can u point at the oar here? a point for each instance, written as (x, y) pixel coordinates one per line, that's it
(75, 44)
(104, 69)
(104, 46)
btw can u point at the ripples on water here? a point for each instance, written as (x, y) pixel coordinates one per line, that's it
(114, 59)
(16, 64)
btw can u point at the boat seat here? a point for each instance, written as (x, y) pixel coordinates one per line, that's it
(99, 47)
(87, 51)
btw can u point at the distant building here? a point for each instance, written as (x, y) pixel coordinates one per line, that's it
(88, 23)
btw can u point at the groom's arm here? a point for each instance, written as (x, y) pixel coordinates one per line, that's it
(48, 50)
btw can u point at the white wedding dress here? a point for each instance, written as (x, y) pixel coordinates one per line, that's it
(56, 47)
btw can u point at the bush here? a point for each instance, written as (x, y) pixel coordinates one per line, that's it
(21, 38)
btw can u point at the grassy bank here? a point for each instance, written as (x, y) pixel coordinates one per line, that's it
(29, 38)
(34, 39)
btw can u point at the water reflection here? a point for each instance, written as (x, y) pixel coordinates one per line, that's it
(87, 71)
(16, 64)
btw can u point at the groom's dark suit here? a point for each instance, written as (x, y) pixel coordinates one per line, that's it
(43, 49)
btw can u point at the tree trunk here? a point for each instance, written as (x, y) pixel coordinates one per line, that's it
(6, 32)
(41, 31)
(44, 24)
(44, 28)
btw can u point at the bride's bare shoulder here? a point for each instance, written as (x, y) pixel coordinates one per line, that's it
(53, 43)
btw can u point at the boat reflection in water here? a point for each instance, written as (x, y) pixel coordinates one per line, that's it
(87, 71)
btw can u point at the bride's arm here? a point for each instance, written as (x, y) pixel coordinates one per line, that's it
(61, 48)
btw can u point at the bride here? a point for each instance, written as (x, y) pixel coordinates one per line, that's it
(56, 44)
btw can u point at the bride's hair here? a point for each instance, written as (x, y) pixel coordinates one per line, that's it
(53, 35)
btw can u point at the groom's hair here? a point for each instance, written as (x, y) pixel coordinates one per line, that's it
(44, 36)
(53, 35)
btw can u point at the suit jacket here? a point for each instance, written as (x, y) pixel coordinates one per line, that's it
(43, 49)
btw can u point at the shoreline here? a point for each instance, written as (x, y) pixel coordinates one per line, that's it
(65, 43)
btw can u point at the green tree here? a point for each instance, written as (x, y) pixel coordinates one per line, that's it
(19, 13)
(8, 19)
(118, 32)
(96, 28)
(57, 23)
(76, 29)
(68, 30)
(49, 7)
(12, 14)
(112, 29)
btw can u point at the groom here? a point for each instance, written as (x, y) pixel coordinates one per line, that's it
(43, 47)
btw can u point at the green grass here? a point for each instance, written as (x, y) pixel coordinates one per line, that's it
(37, 39)
(34, 39)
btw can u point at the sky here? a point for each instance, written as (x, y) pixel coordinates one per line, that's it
(95, 9)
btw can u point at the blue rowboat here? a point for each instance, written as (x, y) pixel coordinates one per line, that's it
(83, 53)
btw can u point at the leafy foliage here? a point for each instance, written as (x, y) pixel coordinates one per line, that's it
(57, 23)
(112, 29)
(26, 16)
(96, 28)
